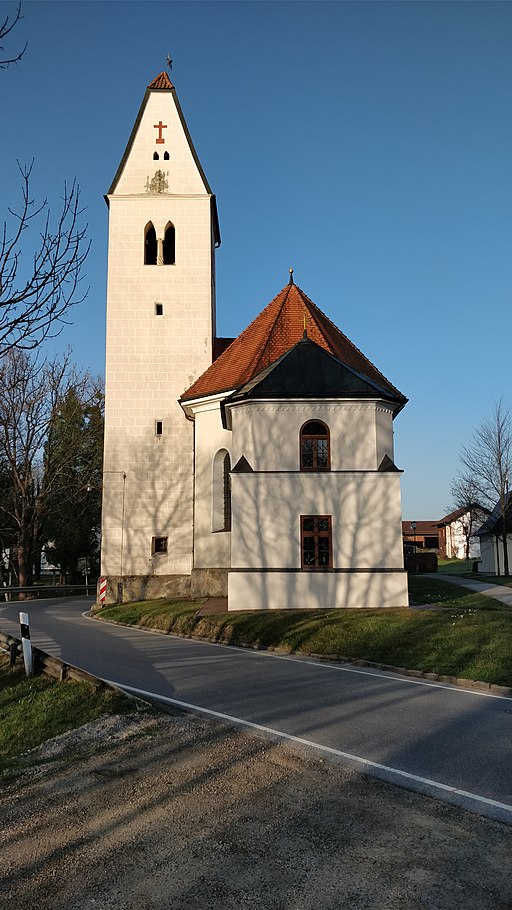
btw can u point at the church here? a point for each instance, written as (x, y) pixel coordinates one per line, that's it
(260, 468)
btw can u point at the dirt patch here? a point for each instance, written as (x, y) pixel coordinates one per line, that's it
(167, 812)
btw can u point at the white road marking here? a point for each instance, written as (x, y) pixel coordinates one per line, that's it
(437, 785)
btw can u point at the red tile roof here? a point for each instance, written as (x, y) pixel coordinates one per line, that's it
(161, 81)
(423, 528)
(277, 328)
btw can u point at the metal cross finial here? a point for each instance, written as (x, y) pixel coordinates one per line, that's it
(169, 61)
(291, 276)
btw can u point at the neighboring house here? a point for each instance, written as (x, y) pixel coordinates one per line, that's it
(454, 529)
(424, 536)
(491, 540)
(261, 468)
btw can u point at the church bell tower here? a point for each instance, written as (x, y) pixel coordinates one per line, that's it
(163, 231)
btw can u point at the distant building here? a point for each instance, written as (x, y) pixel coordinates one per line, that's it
(491, 539)
(458, 529)
(424, 536)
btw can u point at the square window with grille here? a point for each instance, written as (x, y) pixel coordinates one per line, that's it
(158, 545)
(316, 542)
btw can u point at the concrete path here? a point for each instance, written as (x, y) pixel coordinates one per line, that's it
(487, 588)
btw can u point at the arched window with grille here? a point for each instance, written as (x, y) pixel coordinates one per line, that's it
(315, 454)
(169, 245)
(150, 245)
(221, 491)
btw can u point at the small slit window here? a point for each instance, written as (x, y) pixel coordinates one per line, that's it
(158, 545)
(159, 427)
(314, 447)
(169, 245)
(159, 309)
(221, 492)
(150, 245)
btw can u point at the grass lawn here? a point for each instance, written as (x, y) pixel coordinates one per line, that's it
(471, 639)
(34, 709)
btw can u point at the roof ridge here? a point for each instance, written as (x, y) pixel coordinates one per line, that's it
(304, 297)
(269, 337)
(345, 338)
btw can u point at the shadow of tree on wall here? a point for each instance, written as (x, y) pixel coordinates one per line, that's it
(366, 523)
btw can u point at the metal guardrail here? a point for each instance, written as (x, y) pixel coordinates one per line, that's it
(37, 591)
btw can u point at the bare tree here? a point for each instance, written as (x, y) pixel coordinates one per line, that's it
(38, 287)
(30, 395)
(487, 463)
(6, 28)
(464, 491)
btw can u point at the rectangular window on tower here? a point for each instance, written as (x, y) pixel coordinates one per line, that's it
(159, 427)
(159, 309)
(316, 542)
(158, 545)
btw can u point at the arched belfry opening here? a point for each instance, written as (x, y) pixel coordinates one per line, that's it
(150, 244)
(169, 244)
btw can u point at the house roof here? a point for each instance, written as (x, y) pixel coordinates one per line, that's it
(423, 528)
(458, 513)
(272, 334)
(307, 370)
(493, 523)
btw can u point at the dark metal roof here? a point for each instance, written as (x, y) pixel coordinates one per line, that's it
(309, 371)
(493, 524)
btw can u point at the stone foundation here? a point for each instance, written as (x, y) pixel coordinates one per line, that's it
(209, 582)
(145, 587)
(202, 583)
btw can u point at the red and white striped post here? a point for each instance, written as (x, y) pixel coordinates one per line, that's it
(26, 645)
(103, 590)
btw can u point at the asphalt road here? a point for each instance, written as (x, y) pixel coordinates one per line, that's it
(444, 741)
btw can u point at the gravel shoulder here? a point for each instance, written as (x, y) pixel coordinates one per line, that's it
(167, 812)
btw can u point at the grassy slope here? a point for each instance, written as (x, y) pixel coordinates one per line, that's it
(34, 710)
(470, 638)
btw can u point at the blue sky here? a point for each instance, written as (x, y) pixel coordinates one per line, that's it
(368, 145)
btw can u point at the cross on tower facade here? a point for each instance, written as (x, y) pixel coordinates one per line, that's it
(160, 126)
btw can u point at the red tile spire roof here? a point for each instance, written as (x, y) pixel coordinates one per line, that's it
(161, 81)
(277, 328)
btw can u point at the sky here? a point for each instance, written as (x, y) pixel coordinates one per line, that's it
(368, 145)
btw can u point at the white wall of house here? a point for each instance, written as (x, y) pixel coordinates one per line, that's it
(456, 539)
(492, 551)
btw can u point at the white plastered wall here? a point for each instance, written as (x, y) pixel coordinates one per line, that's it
(267, 433)
(152, 359)
(364, 504)
(211, 549)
